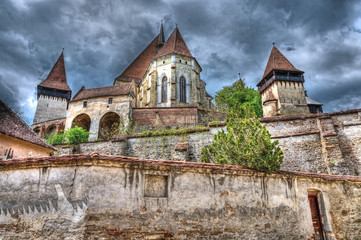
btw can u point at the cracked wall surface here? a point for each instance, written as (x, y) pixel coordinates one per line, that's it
(105, 197)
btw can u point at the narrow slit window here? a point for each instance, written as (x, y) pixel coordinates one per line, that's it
(182, 89)
(164, 89)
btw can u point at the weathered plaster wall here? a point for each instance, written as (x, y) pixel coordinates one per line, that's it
(97, 108)
(49, 108)
(102, 197)
(21, 149)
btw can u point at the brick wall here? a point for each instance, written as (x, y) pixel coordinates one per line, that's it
(163, 117)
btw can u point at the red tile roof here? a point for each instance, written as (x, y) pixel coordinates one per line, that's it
(277, 61)
(57, 76)
(175, 44)
(103, 159)
(137, 68)
(116, 90)
(12, 125)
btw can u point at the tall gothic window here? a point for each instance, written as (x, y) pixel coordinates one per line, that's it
(164, 89)
(182, 89)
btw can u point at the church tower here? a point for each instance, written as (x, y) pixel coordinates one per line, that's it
(53, 94)
(281, 87)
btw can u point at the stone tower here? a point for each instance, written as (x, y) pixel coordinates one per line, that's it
(53, 94)
(281, 87)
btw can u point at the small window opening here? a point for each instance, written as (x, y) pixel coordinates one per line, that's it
(84, 104)
(110, 100)
(180, 61)
(163, 62)
(186, 62)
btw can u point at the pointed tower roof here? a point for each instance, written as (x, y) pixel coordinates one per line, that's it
(161, 38)
(277, 61)
(175, 44)
(137, 68)
(57, 76)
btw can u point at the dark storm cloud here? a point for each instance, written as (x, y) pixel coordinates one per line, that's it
(101, 38)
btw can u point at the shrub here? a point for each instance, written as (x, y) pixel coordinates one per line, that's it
(56, 138)
(246, 143)
(76, 135)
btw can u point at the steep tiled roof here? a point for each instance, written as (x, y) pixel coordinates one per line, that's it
(12, 125)
(57, 76)
(175, 44)
(277, 61)
(116, 90)
(137, 68)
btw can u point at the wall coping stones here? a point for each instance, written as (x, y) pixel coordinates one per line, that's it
(302, 116)
(95, 159)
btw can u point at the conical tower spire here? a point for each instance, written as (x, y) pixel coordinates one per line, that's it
(57, 76)
(161, 38)
(175, 44)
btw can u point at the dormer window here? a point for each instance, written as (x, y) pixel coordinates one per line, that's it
(110, 100)
(84, 104)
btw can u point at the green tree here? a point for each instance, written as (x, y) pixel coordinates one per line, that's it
(246, 143)
(76, 135)
(238, 95)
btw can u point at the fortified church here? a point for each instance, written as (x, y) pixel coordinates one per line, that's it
(124, 189)
(161, 88)
(164, 75)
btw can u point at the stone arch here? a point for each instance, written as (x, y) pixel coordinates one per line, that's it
(82, 120)
(37, 130)
(109, 125)
(50, 130)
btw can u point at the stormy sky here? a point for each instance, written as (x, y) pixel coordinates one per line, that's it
(101, 38)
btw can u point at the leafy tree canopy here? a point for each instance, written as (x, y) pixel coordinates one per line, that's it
(238, 95)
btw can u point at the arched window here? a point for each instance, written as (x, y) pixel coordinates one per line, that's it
(164, 89)
(182, 89)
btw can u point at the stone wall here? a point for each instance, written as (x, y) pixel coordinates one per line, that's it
(102, 197)
(324, 143)
(321, 143)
